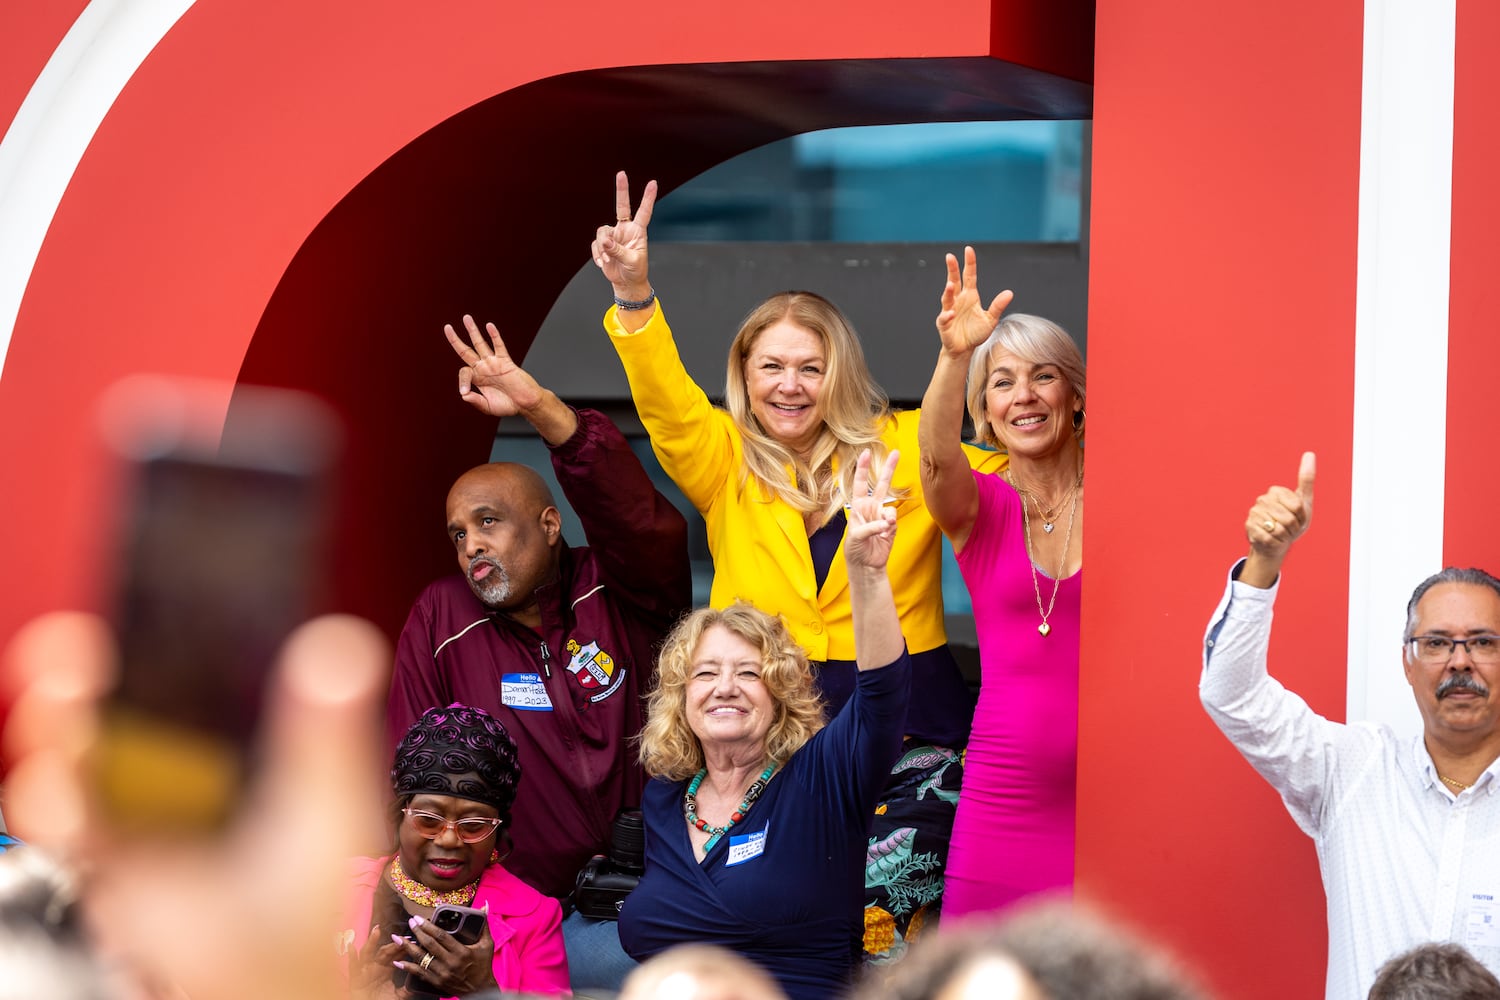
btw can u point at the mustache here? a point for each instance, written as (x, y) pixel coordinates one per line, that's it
(1461, 682)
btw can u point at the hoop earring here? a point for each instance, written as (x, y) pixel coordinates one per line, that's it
(1079, 417)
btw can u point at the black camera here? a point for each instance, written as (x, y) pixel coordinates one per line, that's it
(606, 880)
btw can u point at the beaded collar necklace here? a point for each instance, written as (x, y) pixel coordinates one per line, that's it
(428, 896)
(690, 803)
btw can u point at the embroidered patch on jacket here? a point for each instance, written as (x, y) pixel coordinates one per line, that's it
(594, 670)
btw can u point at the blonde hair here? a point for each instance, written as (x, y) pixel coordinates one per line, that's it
(855, 408)
(1032, 339)
(669, 748)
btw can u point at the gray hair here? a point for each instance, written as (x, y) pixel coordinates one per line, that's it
(1032, 339)
(1435, 972)
(1449, 574)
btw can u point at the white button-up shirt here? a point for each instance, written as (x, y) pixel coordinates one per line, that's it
(1404, 859)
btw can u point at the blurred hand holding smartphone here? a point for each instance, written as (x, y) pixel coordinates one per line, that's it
(218, 564)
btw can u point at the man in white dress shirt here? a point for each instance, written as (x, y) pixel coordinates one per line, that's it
(1407, 831)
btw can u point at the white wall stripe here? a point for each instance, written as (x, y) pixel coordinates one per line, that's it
(55, 124)
(1401, 340)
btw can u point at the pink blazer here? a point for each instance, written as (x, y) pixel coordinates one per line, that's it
(526, 926)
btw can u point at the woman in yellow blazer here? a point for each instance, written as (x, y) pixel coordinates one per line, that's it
(770, 474)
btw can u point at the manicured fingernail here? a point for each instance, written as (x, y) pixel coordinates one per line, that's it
(416, 921)
(397, 939)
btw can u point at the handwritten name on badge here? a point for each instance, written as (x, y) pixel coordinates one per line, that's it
(524, 693)
(750, 845)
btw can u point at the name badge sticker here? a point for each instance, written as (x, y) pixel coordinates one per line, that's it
(1484, 921)
(747, 846)
(524, 693)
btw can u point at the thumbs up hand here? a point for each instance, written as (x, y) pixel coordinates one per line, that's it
(1276, 520)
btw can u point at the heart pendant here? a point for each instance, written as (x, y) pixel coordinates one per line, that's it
(1044, 628)
(1047, 527)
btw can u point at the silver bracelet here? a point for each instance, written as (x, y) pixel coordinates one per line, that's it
(626, 305)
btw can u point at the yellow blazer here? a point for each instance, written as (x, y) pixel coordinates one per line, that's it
(759, 542)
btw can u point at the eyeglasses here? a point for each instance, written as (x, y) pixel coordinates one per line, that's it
(470, 829)
(1439, 648)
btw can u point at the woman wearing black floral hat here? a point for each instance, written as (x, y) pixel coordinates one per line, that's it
(454, 778)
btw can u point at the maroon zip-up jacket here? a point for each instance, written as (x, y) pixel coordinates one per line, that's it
(571, 694)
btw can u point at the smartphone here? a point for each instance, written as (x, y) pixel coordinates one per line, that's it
(465, 923)
(216, 566)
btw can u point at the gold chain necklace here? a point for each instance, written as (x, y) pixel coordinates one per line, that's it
(1036, 589)
(1455, 785)
(1047, 514)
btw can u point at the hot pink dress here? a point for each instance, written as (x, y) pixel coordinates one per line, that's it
(1013, 835)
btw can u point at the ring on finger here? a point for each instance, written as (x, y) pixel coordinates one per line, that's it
(1269, 524)
(426, 961)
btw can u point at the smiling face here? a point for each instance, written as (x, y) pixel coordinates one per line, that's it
(1457, 698)
(784, 373)
(728, 704)
(505, 533)
(446, 863)
(1030, 406)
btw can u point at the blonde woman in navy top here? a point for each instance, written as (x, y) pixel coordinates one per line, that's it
(758, 813)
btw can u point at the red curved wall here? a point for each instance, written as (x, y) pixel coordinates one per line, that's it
(31, 32)
(251, 121)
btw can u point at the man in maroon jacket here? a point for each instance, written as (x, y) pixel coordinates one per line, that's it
(556, 642)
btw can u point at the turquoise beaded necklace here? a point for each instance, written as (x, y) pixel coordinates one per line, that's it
(690, 804)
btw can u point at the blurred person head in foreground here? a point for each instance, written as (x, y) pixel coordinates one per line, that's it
(42, 945)
(1435, 971)
(1049, 951)
(700, 972)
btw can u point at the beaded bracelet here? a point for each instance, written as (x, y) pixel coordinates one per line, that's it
(626, 305)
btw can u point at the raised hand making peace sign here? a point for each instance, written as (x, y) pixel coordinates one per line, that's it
(494, 384)
(620, 250)
(872, 517)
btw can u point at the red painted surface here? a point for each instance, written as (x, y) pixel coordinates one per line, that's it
(1473, 479)
(31, 31)
(1221, 345)
(242, 133)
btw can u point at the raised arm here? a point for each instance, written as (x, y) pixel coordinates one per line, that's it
(492, 383)
(963, 323)
(867, 547)
(1277, 732)
(1276, 520)
(620, 252)
(694, 441)
(638, 536)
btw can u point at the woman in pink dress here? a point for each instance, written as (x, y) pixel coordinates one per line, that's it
(1018, 536)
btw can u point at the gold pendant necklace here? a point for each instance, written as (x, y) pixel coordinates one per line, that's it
(1044, 628)
(1047, 514)
(1457, 786)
